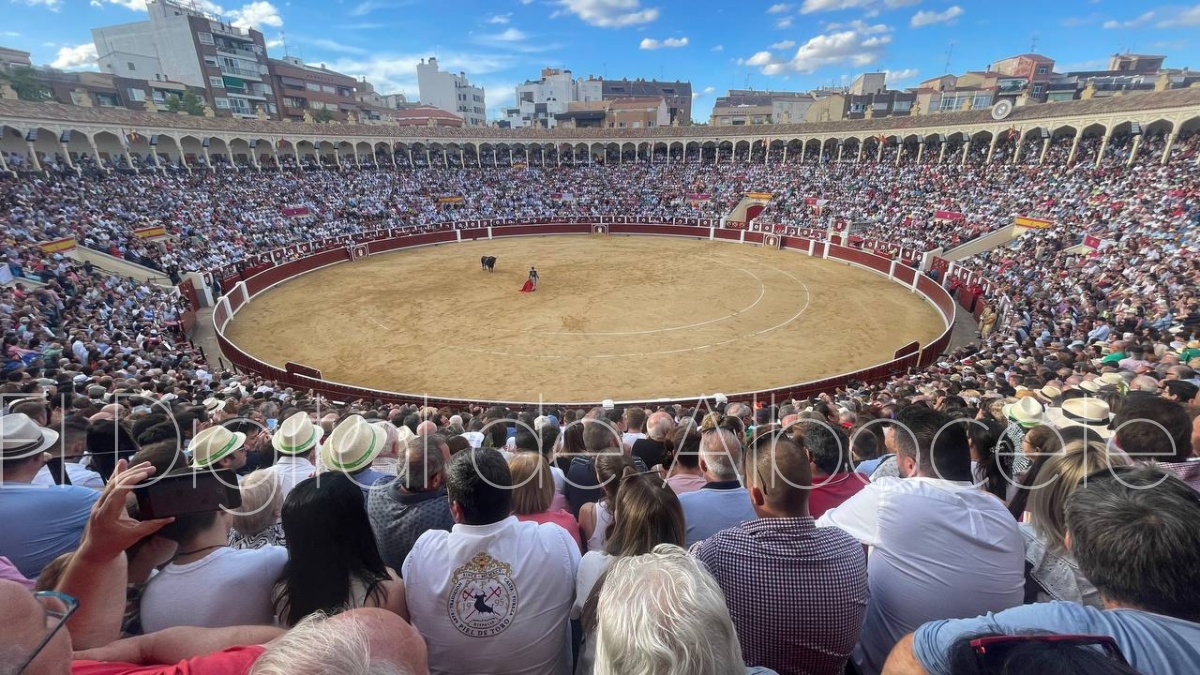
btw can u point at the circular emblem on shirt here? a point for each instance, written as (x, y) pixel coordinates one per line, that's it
(483, 597)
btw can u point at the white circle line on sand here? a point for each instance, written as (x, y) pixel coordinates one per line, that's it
(762, 291)
(807, 302)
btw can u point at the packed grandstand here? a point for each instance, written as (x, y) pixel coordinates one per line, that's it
(1084, 359)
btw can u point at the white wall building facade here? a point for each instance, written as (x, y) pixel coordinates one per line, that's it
(452, 93)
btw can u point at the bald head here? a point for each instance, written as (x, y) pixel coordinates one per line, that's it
(426, 428)
(24, 619)
(660, 425)
(358, 641)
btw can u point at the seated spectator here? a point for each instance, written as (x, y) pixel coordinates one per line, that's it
(662, 614)
(494, 594)
(941, 548)
(351, 448)
(650, 515)
(722, 502)
(833, 477)
(297, 441)
(256, 522)
(654, 450)
(781, 559)
(208, 583)
(683, 472)
(333, 562)
(108, 441)
(1051, 572)
(1155, 429)
(64, 467)
(992, 470)
(596, 518)
(217, 448)
(533, 493)
(412, 504)
(40, 522)
(1134, 535)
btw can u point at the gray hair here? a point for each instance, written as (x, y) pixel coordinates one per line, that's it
(721, 451)
(262, 500)
(663, 614)
(317, 646)
(660, 425)
(423, 460)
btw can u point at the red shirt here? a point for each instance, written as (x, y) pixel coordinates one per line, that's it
(232, 661)
(833, 490)
(560, 517)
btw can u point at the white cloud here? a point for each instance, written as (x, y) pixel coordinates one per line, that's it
(719, 48)
(928, 18)
(325, 44)
(1188, 17)
(669, 43)
(1139, 20)
(894, 76)
(366, 7)
(609, 13)
(785, 22)
(710, 90)
(855, 44)
(397, 73)
(275, 42)
(500, 18)
(52, 5)
(514, 39)
(135, 5)
(509, 35)
(786, 44)
(811, 6)
(256, 15)
(80, 56)
(779, 8)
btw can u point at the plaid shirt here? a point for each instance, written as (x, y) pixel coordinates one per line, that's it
(797, 594)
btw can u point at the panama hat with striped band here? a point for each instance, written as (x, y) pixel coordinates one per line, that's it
(1088, 412)
(297, 435)
(1027, 412)
(213, 445)
(21, 437)
(353, 445)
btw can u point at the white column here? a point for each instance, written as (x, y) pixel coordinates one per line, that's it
(992, 148)
(1103, 147)
(1167, 148)
(1045, 149)
(1137, 143)
(1020, 144)
(1074, 147)
(920, 149)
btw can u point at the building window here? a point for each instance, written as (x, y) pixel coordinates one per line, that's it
(205, 38)
(312, 86)
(1042, 70)
(271, 108)
(902, 106)
(131, 66)
(981, 101)
(880, 107)
(857, 107)
(210, 61)
(77, 98)
(221, 102)
(138, 95)
(1037, 90)
(216, 82)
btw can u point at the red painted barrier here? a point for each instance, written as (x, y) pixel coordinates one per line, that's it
(334, 251)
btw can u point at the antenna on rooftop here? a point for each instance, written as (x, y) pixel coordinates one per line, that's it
(283, 39)
(949, 54)
(1033, 44)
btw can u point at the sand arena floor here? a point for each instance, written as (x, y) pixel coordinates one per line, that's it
(614, 317)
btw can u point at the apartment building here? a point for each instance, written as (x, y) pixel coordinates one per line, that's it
(452, 93)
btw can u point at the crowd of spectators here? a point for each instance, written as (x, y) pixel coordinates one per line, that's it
(1041, 480)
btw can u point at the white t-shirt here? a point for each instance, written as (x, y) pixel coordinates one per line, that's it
(228, 587)
(942, 550)
(629, 437)
(593, 565)
(291, 471)
(494, 598)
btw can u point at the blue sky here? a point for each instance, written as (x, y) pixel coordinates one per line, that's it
(794, 45)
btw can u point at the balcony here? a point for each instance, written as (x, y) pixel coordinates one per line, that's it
(237, 53)
(235, 71)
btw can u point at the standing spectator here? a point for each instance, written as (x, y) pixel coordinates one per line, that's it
(833, 477)
(333, 562)
(351, 448)
(600, 437)
(414, 503)
(40, 522)
(494, 594)
(722, 502)
(782, 559)
(942, 548)
(654, 449)
(596, 518)
(684, 474)
(71, 448)
(533, 493)
(634, 418)
(256, 522)
(1150, 428)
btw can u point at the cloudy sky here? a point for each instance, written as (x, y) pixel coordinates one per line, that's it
(794, 45)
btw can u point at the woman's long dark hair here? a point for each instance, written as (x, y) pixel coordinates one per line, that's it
(330, 544)
(994, 468)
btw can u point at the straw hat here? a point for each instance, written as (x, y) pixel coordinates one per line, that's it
(353, 445)
(1089, 412)
(212, 405)
(297, 435)
(1113, 379)
(214, 444)
(1049, 393)
(1092, 386)
(21, 437)
(1027, 412)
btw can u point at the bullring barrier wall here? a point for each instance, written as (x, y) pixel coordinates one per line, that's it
(240, 292)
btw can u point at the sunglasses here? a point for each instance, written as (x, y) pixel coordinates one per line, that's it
(58, 607)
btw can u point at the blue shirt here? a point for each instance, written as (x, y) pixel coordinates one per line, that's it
(1152, 643)
(367, 478)
(715, 507)
(42, 522)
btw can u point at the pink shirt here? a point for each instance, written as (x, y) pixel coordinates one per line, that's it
(9, 572)
(559, 517)
(686, 482)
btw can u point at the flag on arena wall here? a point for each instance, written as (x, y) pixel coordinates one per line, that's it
(759, 195)
(1035, 223)
(520, 165)
(57, 245)
(948, 215)
(454, 199)
(294, 211)
(154, 232)
(1091, 241)
(699, 197)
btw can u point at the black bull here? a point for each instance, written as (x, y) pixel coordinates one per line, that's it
(488, 262)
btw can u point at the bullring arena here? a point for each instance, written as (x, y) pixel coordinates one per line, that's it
(621, 317)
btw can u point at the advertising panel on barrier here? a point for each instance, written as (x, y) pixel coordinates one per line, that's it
(1030, 222)
(58, 245)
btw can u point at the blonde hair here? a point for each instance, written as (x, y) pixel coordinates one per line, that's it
(262, 500)
(1058, 479)
(533, 485)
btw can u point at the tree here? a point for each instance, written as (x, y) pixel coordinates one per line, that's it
(24, 81)
(323, 116)
(190, 103)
